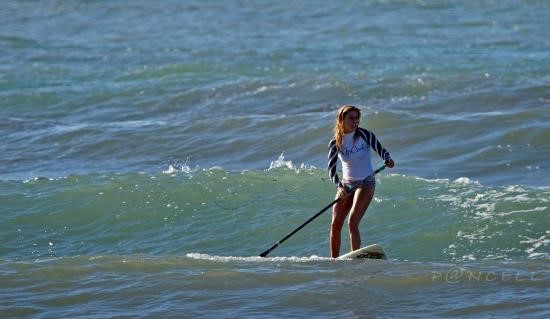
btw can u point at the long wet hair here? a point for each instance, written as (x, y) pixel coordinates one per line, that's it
(339, 126)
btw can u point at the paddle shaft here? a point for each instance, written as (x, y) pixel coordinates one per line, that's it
(265, 253)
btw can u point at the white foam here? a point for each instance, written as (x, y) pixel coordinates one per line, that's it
(536, 209)
(171, 170)
(463, 180)
(459, 181)
(536, 243)
(281, 162)
(177, 168)
(200, 256)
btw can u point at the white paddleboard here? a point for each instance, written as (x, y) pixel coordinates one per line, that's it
(372, 252)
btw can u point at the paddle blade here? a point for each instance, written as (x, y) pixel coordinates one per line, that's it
(264, 254)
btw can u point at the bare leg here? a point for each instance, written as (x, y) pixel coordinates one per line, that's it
(361, 201)
(339, 212)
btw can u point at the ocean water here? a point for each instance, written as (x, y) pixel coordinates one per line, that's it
(151, 150)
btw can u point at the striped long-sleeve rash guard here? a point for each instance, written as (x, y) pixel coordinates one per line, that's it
(354, 156)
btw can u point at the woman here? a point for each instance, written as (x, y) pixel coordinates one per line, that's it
(351, 144)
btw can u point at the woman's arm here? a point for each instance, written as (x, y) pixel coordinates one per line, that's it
(332, 159)
(371, 139)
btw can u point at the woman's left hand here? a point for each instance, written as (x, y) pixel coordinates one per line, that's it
(389, 163)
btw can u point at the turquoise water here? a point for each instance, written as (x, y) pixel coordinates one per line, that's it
(151, 151)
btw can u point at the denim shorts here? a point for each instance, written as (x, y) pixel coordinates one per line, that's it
(369, 181)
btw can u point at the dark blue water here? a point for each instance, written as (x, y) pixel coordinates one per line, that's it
(151, 150)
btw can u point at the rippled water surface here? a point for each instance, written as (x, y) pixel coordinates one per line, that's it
(150, 151)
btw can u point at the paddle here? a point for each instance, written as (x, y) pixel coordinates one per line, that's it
(315, 216)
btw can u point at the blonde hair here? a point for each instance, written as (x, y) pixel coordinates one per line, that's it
(339, 126)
